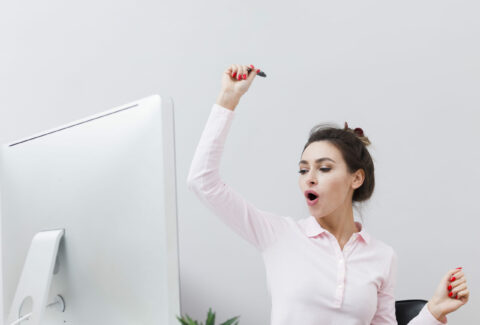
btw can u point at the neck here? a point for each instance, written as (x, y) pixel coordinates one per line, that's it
(339, 223)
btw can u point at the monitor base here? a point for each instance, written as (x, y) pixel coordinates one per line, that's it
(34, 284)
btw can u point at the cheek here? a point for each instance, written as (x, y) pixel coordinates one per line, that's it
(334, 186)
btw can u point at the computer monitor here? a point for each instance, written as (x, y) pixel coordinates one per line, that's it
(99, 197)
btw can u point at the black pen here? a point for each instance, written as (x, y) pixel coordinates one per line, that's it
(261, 73)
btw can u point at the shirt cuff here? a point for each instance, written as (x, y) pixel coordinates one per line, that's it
(222, 110)
(433, 320)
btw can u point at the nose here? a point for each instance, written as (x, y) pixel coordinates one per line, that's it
(312, 179)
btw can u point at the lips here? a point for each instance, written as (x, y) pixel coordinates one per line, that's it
(312, 197)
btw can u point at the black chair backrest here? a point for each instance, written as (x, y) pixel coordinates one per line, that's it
(405, 310)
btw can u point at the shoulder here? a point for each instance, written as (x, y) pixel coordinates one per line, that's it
(385, 254)
(382, 248)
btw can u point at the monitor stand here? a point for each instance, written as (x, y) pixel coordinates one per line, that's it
(34, 285)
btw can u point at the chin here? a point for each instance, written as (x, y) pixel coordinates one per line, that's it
(314, 209)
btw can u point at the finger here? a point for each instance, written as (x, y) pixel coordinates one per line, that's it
(241, 72)
(237, 70)
(236, 73)
(253, 72)
(248, 69)
(458, 274)
(459, 288)
(232, 69)
(458, 282)
(463, 294)
(451, 274)
(245, 72)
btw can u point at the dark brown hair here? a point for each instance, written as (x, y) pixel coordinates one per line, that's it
(353, 146)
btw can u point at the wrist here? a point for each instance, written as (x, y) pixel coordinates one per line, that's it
(436, 312)
(227, 100)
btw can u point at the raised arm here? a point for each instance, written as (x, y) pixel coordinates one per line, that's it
(258, 227)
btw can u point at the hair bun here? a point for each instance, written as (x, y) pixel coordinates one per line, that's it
(359, 133)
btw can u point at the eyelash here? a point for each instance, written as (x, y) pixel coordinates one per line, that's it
(326, 169)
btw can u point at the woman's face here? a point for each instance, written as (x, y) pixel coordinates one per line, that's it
(323, 170)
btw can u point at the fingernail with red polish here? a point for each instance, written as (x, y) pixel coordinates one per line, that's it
(452, 279)
(449, 287)
(244, 76)
(450, 294)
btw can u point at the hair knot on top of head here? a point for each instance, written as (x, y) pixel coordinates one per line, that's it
(359, 133)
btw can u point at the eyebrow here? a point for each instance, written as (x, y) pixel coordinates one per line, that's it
(319, 160)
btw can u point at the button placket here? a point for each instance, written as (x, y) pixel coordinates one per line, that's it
(340, 256)
(341, 271)
(340, 279)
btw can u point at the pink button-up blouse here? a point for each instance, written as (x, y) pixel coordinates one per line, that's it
(310, 279)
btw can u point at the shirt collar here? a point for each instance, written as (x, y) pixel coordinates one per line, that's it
(312, 228)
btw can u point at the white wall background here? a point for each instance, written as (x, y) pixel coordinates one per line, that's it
(407, 72)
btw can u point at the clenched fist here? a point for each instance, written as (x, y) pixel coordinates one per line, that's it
(451, 294)
(235, 82)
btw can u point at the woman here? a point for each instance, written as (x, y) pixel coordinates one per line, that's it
(324, 269)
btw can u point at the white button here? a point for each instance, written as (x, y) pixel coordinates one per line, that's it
(341, 261)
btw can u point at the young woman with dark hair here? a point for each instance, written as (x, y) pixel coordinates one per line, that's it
(323, 269)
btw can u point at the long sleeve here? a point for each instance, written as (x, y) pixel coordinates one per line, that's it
(385, 314)
(256, 226)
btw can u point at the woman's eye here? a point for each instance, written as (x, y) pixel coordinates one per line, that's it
(325, 169)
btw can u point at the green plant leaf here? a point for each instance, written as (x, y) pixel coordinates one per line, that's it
(210, 317)
(186, 320)
(182, 320)
(191, 321)
(230, 321)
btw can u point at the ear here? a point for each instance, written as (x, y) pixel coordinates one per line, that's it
(358, 178)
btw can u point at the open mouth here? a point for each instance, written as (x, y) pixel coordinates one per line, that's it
(311, 196)
(312, 199)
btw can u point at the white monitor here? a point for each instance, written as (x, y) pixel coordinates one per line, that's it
(100, 191)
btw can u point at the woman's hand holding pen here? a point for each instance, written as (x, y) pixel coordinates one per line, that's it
(236, 80)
